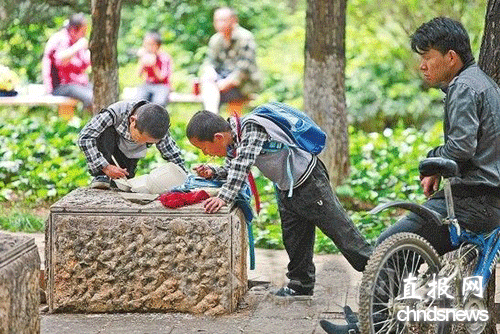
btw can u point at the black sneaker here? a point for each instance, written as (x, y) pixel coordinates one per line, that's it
(100, 182)
(287, 292)
(339, 329)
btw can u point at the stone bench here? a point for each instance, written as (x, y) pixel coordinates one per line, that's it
(19, 285)
(107, 254)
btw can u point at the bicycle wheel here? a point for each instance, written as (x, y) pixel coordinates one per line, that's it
(391, 262)
(464, 258)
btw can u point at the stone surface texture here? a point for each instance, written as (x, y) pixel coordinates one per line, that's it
(19, 285)
(107, 254)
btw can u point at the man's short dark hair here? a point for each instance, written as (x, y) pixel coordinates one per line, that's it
(152, 119)
(76, 21)
(443, 34)
(205, 124)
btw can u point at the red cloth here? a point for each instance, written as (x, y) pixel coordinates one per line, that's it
(177, 199)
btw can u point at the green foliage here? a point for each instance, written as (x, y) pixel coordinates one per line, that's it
(21, 49)
(39, 162)
(383, 86)
(18, 221)
(268, 237)
(384, 166)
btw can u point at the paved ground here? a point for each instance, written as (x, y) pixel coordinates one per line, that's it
(258, 312)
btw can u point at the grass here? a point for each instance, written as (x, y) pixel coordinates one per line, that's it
(17, 217)
(19, 221)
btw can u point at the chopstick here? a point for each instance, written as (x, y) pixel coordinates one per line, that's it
(209, 161)
(116, 162)
(117, 165)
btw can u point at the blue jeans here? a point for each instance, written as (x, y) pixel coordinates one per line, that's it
(156, 93)
(476, 213)
(79, 92)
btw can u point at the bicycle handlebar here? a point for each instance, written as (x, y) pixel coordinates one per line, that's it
(437, 165)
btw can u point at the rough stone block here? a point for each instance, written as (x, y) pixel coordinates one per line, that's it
(19, 285)
(107, 254)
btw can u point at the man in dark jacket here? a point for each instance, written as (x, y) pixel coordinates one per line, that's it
(471, 139)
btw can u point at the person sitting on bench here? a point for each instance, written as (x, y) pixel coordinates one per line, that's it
(65, 60)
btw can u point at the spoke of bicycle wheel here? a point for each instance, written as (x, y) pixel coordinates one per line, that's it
(388, 325)
(392, 278)
(397, 268)
(397, 263)
(406, 256)
(383, 328)
(382, 310)
(414, 262)
(402, 329)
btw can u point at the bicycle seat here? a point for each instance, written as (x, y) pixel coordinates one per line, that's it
(442, 166)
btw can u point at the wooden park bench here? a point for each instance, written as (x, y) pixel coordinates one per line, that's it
(34, 95)
(174, 97)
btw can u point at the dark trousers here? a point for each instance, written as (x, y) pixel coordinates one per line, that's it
(107, 144)
(314, 204)
(476, 213)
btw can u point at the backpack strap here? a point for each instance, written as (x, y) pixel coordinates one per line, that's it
(289, 171)
(251, 179)
(273, 146)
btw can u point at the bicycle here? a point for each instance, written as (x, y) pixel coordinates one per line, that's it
(407, 257)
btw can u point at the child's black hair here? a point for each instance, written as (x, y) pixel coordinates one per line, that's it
(155, 36)
(152, 119)
(205, 124)
(443, 34)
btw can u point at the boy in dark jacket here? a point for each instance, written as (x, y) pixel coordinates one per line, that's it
(312, 202)
(123, 132)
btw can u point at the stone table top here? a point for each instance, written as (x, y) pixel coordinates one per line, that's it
(102, 201)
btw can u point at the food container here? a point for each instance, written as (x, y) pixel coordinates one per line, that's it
(160, 180)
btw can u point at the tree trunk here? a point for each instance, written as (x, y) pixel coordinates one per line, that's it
(489, 61)
(324, 86)
(489, 57)
(103, 48)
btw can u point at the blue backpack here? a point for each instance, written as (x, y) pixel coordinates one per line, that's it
(306, 134)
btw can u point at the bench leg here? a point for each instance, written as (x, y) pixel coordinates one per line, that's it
(66, 111)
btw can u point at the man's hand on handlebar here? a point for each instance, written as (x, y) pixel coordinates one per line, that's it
(430, 184)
